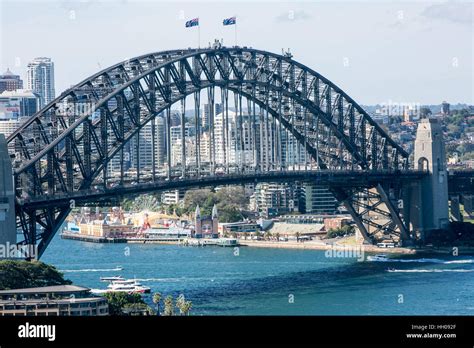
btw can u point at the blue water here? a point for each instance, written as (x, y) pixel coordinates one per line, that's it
(262, 281)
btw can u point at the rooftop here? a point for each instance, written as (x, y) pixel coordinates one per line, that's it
(45, 289)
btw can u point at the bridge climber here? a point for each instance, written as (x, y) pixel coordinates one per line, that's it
(287, 120)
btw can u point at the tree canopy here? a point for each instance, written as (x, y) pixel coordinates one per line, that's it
(16, 274)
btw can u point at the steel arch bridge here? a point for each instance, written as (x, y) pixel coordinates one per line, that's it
(294, 118)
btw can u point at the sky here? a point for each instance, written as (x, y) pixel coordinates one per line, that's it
(377, 52)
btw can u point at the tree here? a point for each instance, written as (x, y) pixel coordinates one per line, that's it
(228, 200)
(425, 111)
(23, 274)
(118, 301)
(156, 300)
(346, 230)
(186, 307)
(297, 236)
(169, 308)
(180, 302)
(135, 309)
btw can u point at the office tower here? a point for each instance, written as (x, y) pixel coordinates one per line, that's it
(40, 79)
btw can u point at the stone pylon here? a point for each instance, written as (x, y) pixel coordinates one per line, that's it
(429, 198)
(7, 197)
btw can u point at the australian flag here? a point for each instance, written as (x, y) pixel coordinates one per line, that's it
(192, 23)
(229, 21)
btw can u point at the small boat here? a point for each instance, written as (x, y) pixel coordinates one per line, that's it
(111, 279)
(378, 257)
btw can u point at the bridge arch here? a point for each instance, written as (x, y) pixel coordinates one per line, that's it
(62, 151)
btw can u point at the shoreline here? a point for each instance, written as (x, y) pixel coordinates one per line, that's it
(308, 245)
(325, 246)
(367, 248)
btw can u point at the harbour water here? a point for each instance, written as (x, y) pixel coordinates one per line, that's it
(261, 281)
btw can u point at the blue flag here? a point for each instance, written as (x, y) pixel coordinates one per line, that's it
(192, 23)
(229, 21)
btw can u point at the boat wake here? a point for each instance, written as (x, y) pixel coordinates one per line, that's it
(423, 260)
(116, 269)
(429, 270)
(459, 261)
(405, 260)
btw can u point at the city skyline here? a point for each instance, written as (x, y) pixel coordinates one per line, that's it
(385, 65)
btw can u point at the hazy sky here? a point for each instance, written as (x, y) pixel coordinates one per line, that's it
(420, 52)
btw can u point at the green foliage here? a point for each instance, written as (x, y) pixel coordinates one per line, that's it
(137, 309)
(229, 201)
(425, 111)
(169, 307)
(118, 301)
(23, 274)
(346, 230)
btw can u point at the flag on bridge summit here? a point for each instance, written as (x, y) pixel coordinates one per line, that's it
(192, 23)
(229, 21)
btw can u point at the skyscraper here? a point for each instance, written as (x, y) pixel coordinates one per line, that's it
(10, 81)
(40, 79)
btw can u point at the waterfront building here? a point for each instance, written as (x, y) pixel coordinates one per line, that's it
(336, 222)
(59, 300)
(40, 79)
(239, 229)
(101, 229)
(206, 226)
(10, 82)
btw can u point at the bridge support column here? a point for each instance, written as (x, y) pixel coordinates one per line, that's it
(429, 198)
(7, 197)
(394, 214)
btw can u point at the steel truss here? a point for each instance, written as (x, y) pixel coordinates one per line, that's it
(67, 146)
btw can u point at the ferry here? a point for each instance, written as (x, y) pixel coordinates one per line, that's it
(130, 286)
(378, 257)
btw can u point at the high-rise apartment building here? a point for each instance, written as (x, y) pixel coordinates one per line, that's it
(40, 79)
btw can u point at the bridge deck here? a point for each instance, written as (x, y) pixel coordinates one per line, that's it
(352, 179)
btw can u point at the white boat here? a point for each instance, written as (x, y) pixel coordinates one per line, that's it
(378, 257)
(130, 286)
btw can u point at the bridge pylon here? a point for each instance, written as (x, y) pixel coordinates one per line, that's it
(428, 199)
(7, 197)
